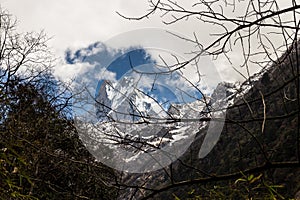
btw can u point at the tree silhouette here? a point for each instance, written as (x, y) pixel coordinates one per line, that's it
(41, 156)
(260, 144)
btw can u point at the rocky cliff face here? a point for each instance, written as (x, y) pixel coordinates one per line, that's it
(103, 103)
(262, 125)
(123, 102)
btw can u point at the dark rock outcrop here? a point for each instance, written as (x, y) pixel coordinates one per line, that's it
(262, 126)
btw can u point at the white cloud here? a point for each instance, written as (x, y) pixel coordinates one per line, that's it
(68, 72)
(76, 24)
(106, 75)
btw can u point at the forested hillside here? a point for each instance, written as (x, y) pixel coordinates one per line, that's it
(41, 156)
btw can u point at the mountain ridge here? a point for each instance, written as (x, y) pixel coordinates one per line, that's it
(261, 127)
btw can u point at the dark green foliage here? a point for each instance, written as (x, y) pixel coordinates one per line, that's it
(41, 155)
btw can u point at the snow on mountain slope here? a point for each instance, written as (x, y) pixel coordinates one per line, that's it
(136, 129)
(127, 103)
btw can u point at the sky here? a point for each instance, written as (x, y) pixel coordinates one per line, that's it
(77, 25)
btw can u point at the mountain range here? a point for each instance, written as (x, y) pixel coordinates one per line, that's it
(261, 127)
